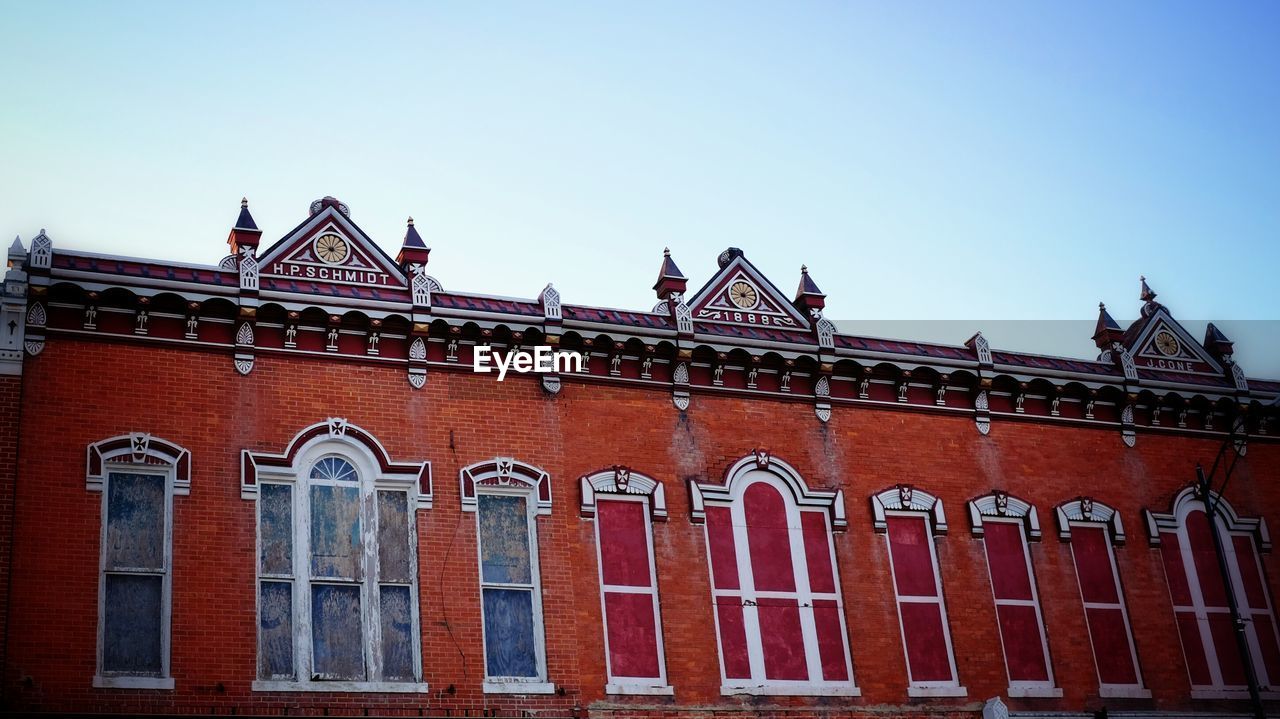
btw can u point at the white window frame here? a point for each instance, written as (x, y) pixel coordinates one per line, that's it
(761, 467)
(951, 688)
(1138, 689)
(611, 486)
(137, 453)
(1022, 688)
(337, 438)
(103, 679)
(504, 476)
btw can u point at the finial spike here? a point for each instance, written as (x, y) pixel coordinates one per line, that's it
(666, 251)
(804, 269)
(1102, 306)
(244, 202)
(411, 220)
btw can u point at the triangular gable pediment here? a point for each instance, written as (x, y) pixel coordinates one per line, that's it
(740, 295)
(1162, 344)
(329, 249)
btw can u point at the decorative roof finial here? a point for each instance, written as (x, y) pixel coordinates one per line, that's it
(666, 251)
(244, 202)
(411, 220)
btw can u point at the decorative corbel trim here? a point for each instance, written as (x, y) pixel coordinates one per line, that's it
(505, 472)
(982, 412)
(622, 480)
(905, 498)
(137, 448)
(1001, 504)
(822, 398)
(244, 347)
(1087, 509)
(680, 385)
(1127, 432)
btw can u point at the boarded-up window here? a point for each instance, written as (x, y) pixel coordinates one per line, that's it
(1200, 604)
(134, 575)
(510, 602)
(629, 592)
(922, 611)
(358, 595)
(777, 601)
(1017, 605)
(1104, 606)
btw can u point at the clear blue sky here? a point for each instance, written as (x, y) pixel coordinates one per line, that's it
(957, 161)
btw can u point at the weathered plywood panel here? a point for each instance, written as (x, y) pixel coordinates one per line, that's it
(135, 521)
(397, 634)
(131, 631)
(276, 529)
(337, 635)
(275, 631)
(393, 537)
(335, 532)
(509, 644)
(504, 539)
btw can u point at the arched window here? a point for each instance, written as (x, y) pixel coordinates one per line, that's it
(1200, 596)
(774, 580)
(337, 564)
(138, 476)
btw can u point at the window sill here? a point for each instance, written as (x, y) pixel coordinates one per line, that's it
(1230, 694)
(937, 692)
(1124, 693)
(799, 689)
(101, 682)
(271, 685)
(653, 690)
(1035, 692)
(492, 687)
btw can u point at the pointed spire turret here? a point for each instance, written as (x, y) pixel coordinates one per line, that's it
(670, 279)
(808, 296)
(413, 251)
(245, 233)
(1107, 331)
(1217, 343)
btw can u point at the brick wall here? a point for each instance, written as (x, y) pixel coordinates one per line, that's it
(81, 392)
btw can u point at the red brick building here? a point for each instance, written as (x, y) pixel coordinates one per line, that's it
(277, 485)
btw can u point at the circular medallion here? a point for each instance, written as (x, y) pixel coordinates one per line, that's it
(331, 249)
(1167, 343)
(743, 295)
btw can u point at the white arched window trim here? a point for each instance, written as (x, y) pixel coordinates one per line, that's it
(1229, 523)
(338, 438)
(762, 466)
(138, 453)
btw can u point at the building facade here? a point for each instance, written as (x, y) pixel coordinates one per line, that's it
(277, 485)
